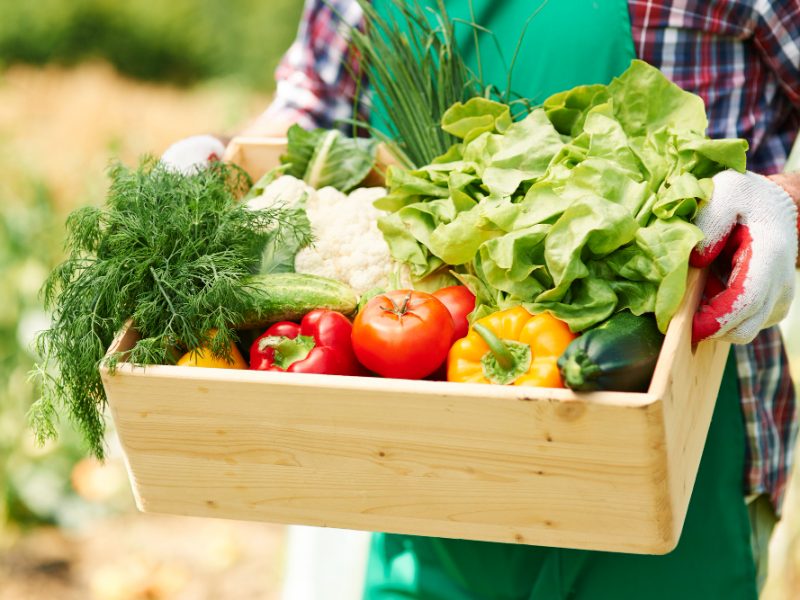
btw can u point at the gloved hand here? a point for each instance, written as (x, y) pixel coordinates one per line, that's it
(192, 153)
(750, 227)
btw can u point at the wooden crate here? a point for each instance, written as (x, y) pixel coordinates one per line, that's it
(604, 470)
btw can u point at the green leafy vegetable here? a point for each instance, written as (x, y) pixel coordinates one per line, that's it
(325, 157)
(582, 208)
(171, 252)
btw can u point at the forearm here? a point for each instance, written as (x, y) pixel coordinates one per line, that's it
(316, 79)
(791, 183)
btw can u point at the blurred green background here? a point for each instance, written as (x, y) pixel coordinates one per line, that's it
(82, 82)
(180, 41)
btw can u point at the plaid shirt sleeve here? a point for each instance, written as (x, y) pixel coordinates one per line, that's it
(316, 80)
(777, 36)
(743, 59)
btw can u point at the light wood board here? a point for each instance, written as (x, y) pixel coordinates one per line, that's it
(603, 471)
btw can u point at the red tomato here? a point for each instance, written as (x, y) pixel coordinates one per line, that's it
(403, 333)
(460, 302)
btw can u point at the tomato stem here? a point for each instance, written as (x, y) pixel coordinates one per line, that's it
(403, 309)
(406, 300)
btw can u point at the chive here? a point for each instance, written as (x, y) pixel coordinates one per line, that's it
(416, 72)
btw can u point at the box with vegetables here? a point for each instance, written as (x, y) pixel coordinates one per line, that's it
(496, 345)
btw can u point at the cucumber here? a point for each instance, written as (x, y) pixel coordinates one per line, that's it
(289, 296)
(620, 354)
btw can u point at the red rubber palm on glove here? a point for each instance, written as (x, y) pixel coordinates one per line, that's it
(750, 227)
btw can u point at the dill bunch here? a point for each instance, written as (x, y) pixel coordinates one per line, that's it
(168, 251)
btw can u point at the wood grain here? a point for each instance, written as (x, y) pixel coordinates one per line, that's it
(683, 375)
(255, 155)
(604, 471)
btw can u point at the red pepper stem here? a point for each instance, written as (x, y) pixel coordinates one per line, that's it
(496, 346)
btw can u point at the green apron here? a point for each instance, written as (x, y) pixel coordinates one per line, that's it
(568, 44)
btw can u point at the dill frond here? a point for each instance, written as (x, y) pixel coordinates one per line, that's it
(167, 250)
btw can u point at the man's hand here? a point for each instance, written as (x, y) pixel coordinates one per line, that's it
(750, 227)
(192, 153)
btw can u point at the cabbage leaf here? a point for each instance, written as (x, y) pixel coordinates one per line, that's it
(326, 157)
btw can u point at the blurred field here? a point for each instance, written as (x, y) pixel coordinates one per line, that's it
(64, 126)
(180, 41)
(146, 557)
(68, 529)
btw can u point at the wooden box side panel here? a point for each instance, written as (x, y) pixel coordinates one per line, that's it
(687, 379)
(255, 155)
(570, 474)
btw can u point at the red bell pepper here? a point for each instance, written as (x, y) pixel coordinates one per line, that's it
(320, 343)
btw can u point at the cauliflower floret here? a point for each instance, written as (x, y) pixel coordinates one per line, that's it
(348, 244)
(285, 191)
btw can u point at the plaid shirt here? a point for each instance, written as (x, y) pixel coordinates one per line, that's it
(742, 57)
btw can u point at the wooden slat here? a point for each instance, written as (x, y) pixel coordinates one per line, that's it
(255, 155)
(688, 380)
(473, 467)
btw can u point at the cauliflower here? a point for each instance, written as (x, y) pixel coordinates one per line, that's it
(285, 191)
(348, 246)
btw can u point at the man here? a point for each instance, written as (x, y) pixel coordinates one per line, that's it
(743, 59)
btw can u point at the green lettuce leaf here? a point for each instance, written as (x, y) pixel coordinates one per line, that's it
(644, 101)
(567, 110)
(591, 227)
(405, 248)
(458, 241)
(668, 243)
(522, 153)
(583, 207)
(591, 300)
(478, 115)
(510, 261)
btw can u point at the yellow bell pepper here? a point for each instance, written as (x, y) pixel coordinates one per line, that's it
(511, 347)
(203, 357)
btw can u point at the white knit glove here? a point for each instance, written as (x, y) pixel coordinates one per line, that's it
(193, 153)
(750, 227)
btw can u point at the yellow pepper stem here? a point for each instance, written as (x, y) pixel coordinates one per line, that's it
(500, 350)
(506, 361)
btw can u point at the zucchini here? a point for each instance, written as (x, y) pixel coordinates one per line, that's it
(289, 296)
(620, 354)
